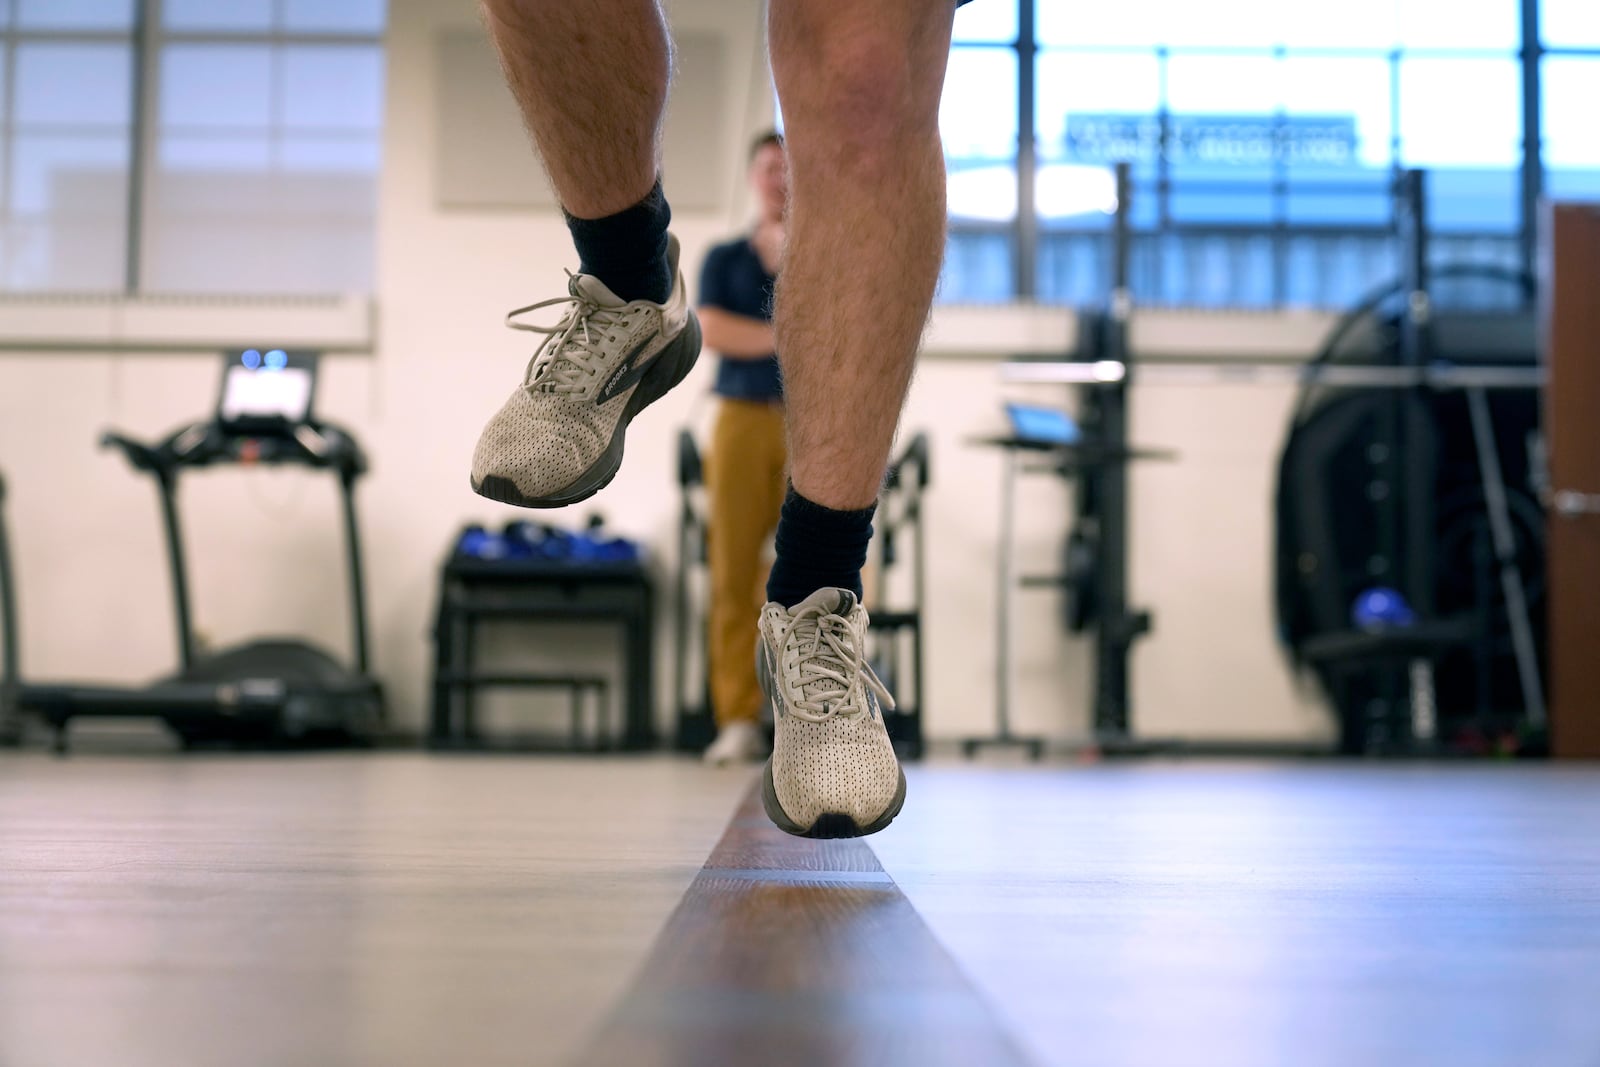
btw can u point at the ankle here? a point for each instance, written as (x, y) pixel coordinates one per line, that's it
(628, 250)
(818, 548)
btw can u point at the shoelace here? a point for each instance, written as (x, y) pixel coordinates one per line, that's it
(827, 650)
(571, 351)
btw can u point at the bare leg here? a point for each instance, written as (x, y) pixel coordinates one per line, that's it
(601, 147)
(859, 85)
(591, 79)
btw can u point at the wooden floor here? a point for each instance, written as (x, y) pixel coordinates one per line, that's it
(403, 910)
(792, 953)
(1294, 915)
(320, 911)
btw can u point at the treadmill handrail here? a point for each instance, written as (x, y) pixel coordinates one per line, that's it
(140, 456)
(311, 443)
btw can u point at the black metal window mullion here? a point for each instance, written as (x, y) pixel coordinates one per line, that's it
(1532, 55)
(1396, 161)
(146, 13)
(1164, 144)
(1027, 228)
(1157, 243)
(1280, 192)
(7, 128)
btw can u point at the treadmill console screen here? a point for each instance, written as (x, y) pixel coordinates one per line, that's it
(267, 385)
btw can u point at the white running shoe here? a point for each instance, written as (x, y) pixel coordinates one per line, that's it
(737, 742)
(558, 440)
(833, 771)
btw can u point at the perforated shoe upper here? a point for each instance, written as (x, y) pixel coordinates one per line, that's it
(832, 753)
(564, 415)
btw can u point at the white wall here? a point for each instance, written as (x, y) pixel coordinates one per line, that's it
(264, 547)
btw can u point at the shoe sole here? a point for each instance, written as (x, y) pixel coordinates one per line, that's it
(830, 825)
(671, 366)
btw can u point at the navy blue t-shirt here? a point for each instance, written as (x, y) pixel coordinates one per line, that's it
(733, 279)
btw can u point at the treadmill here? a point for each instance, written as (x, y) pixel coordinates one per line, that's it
(269, 692)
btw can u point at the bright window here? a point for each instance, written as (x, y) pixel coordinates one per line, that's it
(256, 146)
(1264, 139)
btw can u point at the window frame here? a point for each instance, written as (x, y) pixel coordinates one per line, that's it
(146, 38)
(13, 36)
(1027, 230)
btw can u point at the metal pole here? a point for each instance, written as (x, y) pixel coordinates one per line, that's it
(1121, 299)
(1408, 465)
(1411, 477)
(918, 603)
(1008, 493)
(10, 666)
(1505, 550)
(1113, 635)
(1414, 238)
(167, 482)
(680, 642)
(358, 598)
(1188, 373)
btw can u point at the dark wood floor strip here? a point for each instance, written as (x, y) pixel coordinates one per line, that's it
(787, 951)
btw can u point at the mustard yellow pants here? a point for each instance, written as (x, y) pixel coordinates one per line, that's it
(745, 481)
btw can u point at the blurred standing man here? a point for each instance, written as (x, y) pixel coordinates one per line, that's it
(746, 469)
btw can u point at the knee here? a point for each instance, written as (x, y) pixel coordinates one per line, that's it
(855, 102)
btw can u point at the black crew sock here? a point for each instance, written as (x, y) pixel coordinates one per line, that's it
(628, 250)
(818, 548)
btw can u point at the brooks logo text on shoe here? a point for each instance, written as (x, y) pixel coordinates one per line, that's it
(628, 373)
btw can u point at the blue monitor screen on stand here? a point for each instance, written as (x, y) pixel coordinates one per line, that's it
(1042, 425)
